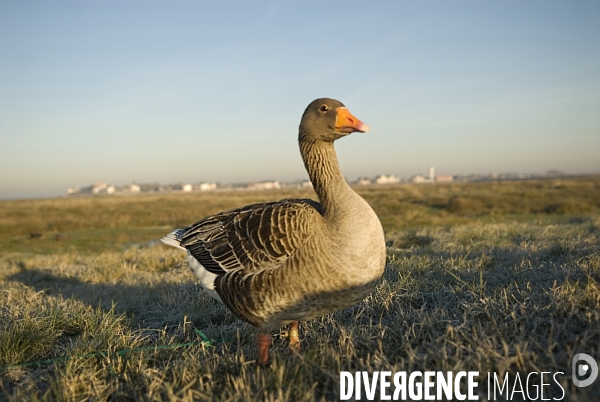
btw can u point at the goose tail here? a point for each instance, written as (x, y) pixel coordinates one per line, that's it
(174, 238)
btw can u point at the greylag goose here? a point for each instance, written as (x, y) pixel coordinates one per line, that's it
(277, 263)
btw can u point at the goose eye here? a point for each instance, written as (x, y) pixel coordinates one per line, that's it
(324, 108)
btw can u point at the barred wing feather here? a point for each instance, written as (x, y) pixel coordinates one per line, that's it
(251, 238)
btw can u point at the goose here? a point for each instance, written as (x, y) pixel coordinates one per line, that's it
(276, 263)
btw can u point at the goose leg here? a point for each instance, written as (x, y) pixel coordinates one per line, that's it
(264, 341)
(294, 338)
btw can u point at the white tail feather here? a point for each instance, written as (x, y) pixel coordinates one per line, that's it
(171, 240)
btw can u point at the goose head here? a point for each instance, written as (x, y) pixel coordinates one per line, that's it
(327, 120)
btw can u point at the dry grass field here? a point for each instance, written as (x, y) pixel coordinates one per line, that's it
(489, 277)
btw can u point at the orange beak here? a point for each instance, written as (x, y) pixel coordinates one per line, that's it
(346, 123)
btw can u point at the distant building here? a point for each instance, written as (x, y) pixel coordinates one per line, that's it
(431, 174)
(99, 187)
(363, 181)
(134, 188)
(207, 186)
(264, 185)
(419, 178)
(187, 188)
(307, 184)
(390, 179)
(443, 178)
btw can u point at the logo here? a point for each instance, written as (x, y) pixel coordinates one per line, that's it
(463, 385)
(588, 369)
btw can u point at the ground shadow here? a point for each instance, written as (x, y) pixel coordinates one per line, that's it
(148, 305)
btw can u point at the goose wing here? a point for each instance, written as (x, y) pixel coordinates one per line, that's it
(251, 238)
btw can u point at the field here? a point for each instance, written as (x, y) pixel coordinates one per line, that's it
(497, 277)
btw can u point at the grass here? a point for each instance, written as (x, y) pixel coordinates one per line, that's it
(488, 277)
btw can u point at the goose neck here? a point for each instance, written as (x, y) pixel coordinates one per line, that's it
(325, 174)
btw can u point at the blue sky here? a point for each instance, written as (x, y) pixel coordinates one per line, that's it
(118, 91)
